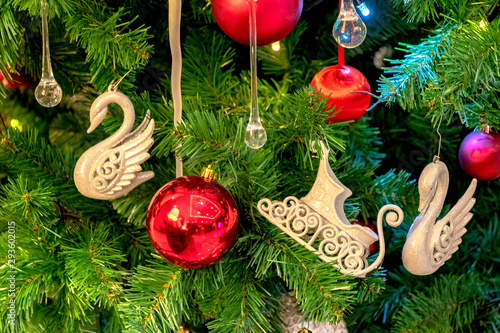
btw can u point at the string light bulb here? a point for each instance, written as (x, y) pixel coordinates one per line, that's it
(276, 46)
(14, 123)
(363, 9)
(349, 30)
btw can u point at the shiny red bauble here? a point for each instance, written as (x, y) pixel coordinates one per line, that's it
(479, 155)
(192, 221)
(275, 19)
(336, 82)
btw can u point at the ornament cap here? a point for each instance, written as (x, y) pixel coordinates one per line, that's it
(207, 173)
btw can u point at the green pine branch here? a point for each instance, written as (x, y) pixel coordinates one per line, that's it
(32, 156)
(448, 303)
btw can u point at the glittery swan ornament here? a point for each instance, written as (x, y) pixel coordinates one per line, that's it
(429, 243)
(112, 168)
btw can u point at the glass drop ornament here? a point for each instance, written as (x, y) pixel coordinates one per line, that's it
(349, 30)
(192, 221)
(48, 92)
(255, 135)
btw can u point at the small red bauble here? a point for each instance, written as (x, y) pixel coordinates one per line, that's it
(479, 155)
(374, 246)
(17, 81)
(275, 19)
(337, 82)
(192, 221)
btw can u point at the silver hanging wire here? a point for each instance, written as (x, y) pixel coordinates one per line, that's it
(436, 158)
(113, 86)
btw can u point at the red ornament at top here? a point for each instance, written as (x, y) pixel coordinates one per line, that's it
(275, 19)
(336, 82)
(479, 155)
(192, 221)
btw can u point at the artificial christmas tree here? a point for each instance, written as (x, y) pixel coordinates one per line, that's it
(70, 263)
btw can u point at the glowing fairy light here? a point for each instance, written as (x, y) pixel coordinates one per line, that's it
(276, 46)
(363, 9)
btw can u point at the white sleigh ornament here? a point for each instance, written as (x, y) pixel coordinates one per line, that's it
(318, 222)
(111, 168)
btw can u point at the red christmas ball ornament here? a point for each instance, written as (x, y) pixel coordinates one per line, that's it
(275, 19)
(192, 221)
(335, 83)
(17, 80)
(479, 155)
(374, 246)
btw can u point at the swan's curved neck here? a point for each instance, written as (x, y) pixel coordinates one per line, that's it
(128, 122)
(128, 112)
(436, 204)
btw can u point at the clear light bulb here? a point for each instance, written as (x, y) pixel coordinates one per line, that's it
(349, 30)
(48, 92)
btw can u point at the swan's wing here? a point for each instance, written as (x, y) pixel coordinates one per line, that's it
(123, 162)
(108, 170)
(448, 231)
(138, 131)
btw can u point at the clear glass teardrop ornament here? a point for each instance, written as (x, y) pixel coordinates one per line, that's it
(48, 92)
(349, 30)
(255, 136)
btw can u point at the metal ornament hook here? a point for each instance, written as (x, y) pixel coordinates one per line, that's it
(439, 146)
(113, 86)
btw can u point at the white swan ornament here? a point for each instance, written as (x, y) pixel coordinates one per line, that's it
(429, 243)
(111, 168)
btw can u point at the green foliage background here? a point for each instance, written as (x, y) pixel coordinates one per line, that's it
(87, 266)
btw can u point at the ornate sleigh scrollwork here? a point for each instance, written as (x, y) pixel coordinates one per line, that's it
(336, 243)
(317, 222)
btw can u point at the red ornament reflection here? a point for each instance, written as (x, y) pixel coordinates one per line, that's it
(192, 222)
